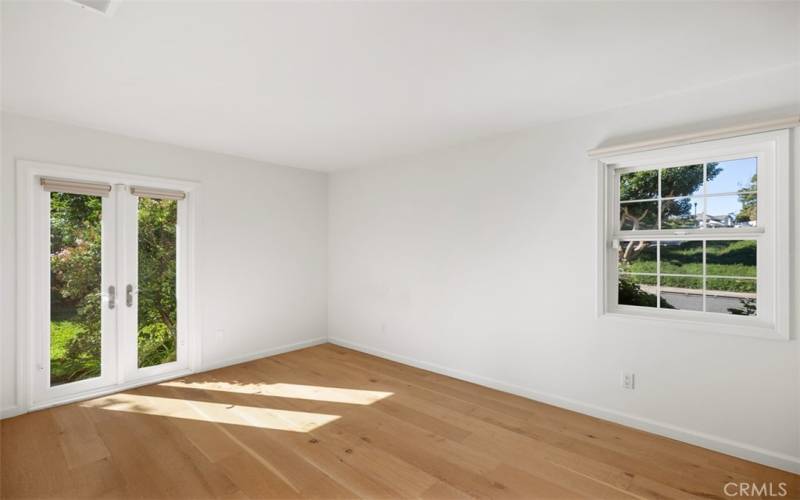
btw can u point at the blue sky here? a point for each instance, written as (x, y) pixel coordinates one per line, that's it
(735, 175)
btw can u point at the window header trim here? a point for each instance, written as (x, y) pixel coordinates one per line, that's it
(694, 137)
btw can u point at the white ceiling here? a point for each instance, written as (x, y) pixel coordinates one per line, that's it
(337, 85)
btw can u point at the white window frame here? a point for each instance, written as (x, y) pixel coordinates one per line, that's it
(773, 233)
(31, 280)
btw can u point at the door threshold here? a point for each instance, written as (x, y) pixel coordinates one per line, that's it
(105, 391)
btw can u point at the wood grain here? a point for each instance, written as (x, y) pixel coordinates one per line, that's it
(329, 422)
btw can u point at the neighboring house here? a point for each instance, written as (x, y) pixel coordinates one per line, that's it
(727, 220)
(747, 223)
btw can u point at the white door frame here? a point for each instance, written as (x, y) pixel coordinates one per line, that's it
(29, 288)
(128, 225)
(39, 253)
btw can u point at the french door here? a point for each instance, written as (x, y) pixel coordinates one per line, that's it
(111, 285)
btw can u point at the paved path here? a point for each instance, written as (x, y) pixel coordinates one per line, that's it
(692, 300)
(695, 302)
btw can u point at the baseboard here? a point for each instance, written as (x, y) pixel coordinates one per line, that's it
(105, 391)
(262, 354)
(711, 442)
(18, 410)
(11, 411)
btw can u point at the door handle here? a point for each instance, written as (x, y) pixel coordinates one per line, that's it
(129, 295)
(112, 297)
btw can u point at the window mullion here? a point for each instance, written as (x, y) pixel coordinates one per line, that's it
(705, 275)
(658, 263)
(659, 199)
(712, 234)
(704, 223)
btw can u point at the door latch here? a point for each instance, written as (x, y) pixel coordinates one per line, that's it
(129, 295)
(112, 297)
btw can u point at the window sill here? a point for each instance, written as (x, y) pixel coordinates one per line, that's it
(688, 321)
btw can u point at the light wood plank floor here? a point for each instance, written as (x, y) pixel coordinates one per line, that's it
(328, 422)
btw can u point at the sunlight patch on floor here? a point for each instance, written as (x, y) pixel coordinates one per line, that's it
(221, 413)
(294, 391)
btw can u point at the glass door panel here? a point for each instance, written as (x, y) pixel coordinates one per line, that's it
(157, 314)
(109, 285)
(152, 332)
(76, 250)
(74, 281)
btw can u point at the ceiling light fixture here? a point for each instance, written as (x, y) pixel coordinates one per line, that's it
(104, 7)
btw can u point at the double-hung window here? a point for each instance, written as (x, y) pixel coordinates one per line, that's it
(699, 234)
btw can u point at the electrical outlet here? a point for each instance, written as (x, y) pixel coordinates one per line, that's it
(628, 380)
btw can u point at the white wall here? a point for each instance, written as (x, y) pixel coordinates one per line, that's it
(478, 261)
(261, 248)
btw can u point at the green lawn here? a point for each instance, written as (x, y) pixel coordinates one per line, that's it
(65, 366)
(156, 346)
(723, 258)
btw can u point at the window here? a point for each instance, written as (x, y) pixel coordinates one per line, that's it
(699, 234)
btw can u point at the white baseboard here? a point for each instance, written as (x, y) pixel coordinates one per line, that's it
(11, 411)
(261, 354)
(104, 391)
(715, 443)
(18, 410)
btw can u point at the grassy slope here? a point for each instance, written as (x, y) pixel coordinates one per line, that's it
(727, 258)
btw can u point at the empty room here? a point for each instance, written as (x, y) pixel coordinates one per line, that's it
(399, 249)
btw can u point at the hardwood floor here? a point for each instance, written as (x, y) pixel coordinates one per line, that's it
(328, 422)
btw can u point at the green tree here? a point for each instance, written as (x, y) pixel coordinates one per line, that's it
(748, 198)
(644, 185)
(157, 279)
(76, 265)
